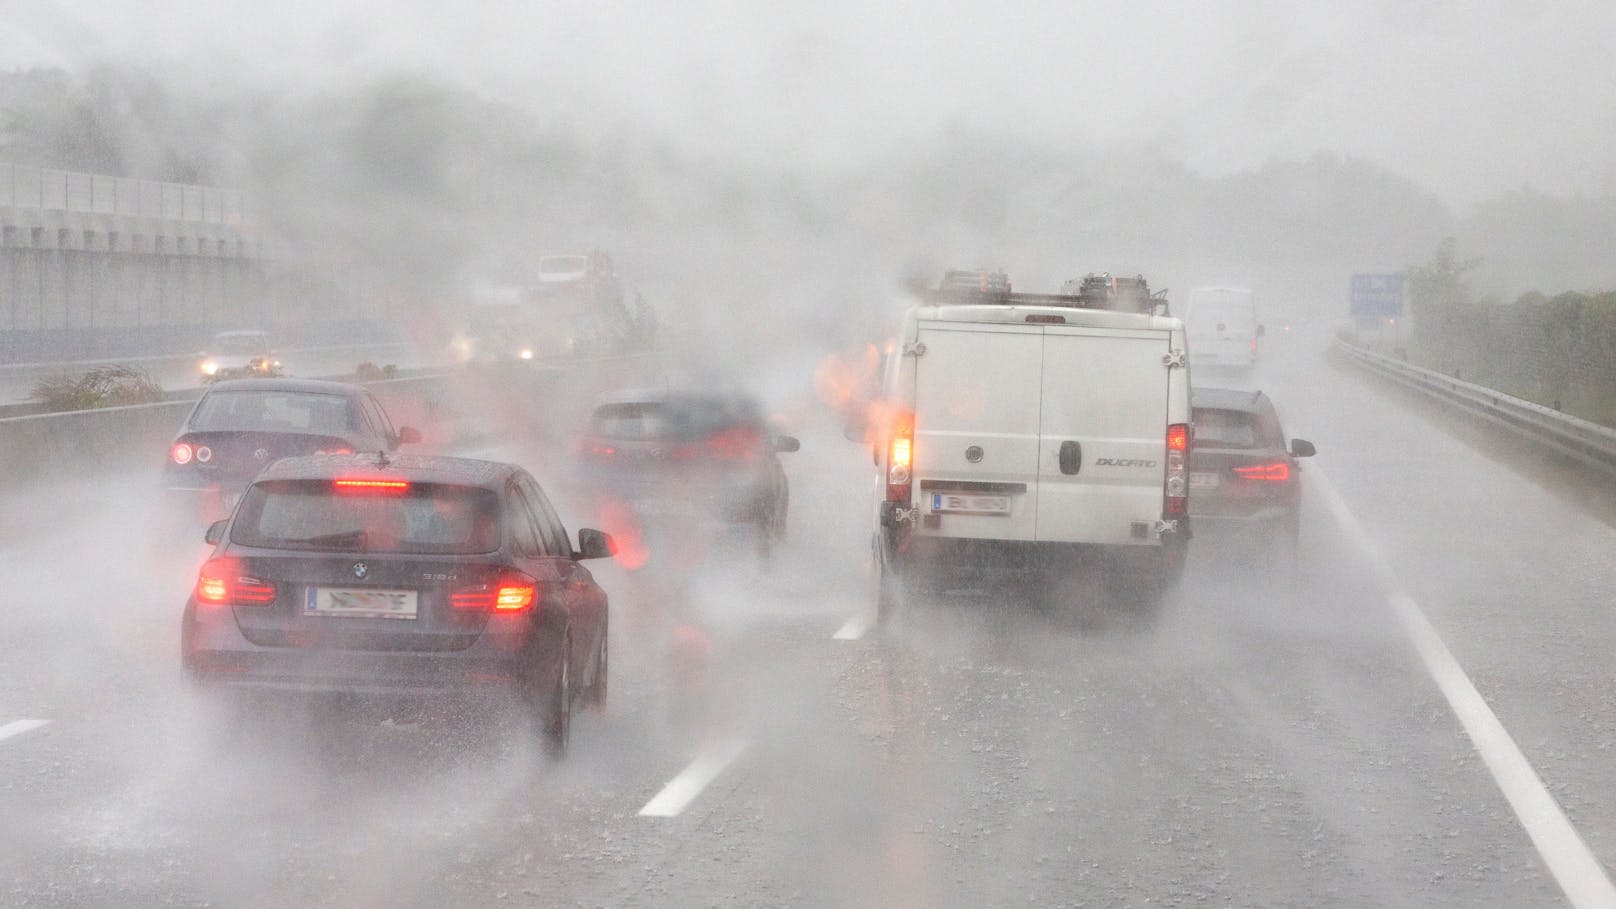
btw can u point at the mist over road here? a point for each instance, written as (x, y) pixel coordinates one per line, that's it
(1253, 746)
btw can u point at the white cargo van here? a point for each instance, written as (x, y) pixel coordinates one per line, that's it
(1222, 327)
(1029, 432)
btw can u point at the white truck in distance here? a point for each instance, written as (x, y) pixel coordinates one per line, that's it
(1222, 326)
(1023, 432)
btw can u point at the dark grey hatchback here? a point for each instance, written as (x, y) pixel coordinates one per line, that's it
(1245, 485)
(409, 576)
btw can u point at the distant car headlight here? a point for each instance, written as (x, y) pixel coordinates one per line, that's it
(526, 354)
(210, 368)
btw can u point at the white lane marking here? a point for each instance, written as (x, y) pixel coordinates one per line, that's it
(18, 727)
(853, 629)
(683, 789)
(1581, 877)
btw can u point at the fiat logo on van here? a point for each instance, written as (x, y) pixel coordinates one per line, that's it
(974, 454)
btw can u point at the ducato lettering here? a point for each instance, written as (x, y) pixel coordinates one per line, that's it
(1124, 462)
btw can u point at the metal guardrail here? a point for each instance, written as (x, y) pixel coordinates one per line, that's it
(1589, 443)
(48, 189)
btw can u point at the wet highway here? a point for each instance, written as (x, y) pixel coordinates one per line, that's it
(1257, 743)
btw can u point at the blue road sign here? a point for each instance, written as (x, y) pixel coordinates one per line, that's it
(1377, 296)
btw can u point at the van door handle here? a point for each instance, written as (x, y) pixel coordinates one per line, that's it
(1071, 457)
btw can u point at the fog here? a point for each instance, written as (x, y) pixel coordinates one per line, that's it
(777, 183)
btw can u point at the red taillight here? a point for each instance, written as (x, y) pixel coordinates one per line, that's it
(1277, 472)
(596, 448)
(901, 458)
(181, 453)
(1176, 487)
(221, 583)
(335, 451)
(370, 487)
(514, 592)
(1178, 437)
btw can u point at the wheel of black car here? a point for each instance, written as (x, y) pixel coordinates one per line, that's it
(595, 694)
(556, 710)
(777, 526)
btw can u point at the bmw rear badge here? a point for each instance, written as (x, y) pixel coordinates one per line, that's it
(360, 569)
(973, 454)
(261, 454)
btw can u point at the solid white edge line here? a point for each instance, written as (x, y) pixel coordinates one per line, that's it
(853, 629)
(683, 789)
(1580, 875)
(18, 727)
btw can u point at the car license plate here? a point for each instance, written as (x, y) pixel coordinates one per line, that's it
(1203, 479)
(964, 504)
(361, 603)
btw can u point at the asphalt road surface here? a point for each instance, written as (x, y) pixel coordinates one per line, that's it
(1259, 743)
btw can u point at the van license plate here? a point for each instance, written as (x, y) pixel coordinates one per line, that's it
(964, 504)
(361, 603)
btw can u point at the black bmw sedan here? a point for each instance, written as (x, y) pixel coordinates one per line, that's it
(405, 577)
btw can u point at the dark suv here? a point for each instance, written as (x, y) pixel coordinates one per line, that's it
(364, 575)
(1245, 485)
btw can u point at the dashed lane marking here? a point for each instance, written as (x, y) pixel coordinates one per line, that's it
(683, 789)
(853, 629)
(18, 727)
(1578, 872)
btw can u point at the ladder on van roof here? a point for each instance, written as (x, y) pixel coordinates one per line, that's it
(1101, 291)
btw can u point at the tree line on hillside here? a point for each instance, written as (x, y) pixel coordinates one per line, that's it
(1558, 350)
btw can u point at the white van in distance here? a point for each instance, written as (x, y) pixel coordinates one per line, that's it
(1222, 326)
(1024, 431)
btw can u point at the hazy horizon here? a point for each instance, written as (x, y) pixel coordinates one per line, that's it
(1469, 104)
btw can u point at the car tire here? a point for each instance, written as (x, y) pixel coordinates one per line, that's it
(1284, 568)
(554, 706)
(780, 515)
(595, 695)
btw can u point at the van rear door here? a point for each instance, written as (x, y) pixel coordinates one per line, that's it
(976, 428)
(1103, 435)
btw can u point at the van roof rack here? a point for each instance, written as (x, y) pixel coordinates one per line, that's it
(1097, 290)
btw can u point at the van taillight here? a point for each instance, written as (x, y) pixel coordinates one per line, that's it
(1177, 485)
(513, 592)
(221, 583)
(900, 458)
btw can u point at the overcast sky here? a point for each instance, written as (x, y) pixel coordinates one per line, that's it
(1467, 98)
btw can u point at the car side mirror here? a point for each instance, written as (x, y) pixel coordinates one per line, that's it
(1302, 448)
(409, 435)
(593, 544)
(787, 443)
(215, 532)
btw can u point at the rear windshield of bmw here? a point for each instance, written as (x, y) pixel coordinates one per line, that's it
(364, 515)
(1234, 429)
(275, 411)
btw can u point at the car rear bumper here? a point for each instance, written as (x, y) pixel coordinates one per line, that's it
(215, 652)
